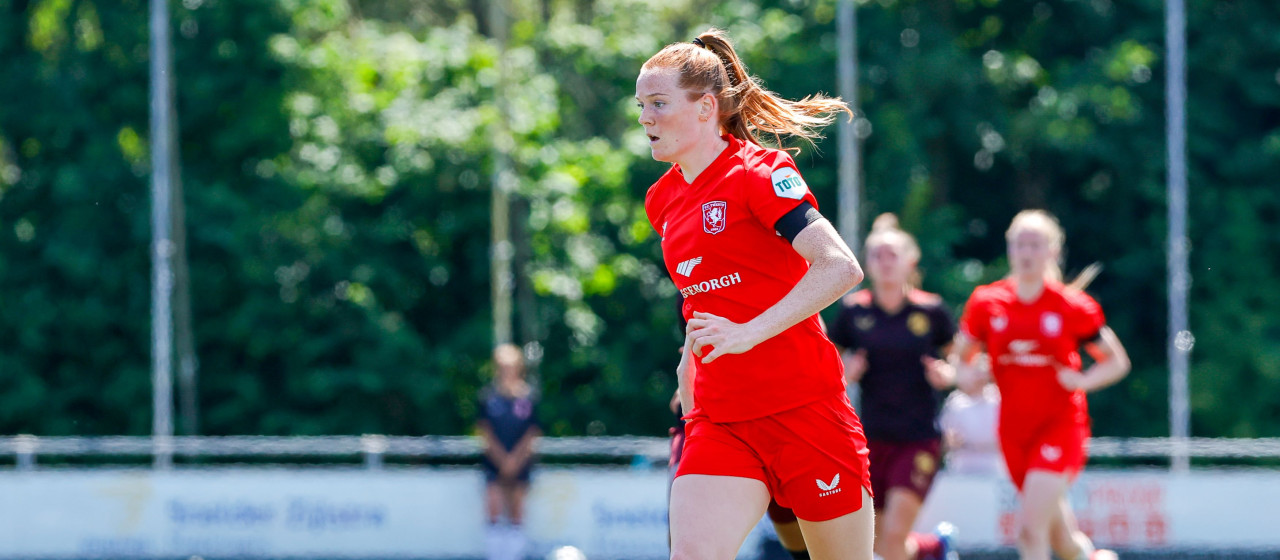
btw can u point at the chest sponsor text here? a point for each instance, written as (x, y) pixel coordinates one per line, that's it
(711, 285)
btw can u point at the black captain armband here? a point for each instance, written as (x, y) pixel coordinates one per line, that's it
(792, 223)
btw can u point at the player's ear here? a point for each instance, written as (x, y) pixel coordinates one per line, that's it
(706, 107)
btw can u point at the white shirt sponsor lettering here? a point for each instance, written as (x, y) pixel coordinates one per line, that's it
(712, 284)
(1022, 353)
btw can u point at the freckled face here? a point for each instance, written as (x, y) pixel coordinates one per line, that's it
(669, 118)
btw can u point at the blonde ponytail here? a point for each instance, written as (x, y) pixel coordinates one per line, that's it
(1086, 276)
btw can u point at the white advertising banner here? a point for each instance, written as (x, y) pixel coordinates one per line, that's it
(1124, 509)
(240, 512)
(608, 513)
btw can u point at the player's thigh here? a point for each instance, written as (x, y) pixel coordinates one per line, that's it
(786, 526)
(712, 515)
(902, 506)
(1042, 495)
(848, 537)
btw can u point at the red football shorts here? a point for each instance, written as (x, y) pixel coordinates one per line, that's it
(813, 458)
(908, 464)
(1059, 447)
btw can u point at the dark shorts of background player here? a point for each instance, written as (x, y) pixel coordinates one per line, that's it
(491, 473)
(812, 458)
(903, 464)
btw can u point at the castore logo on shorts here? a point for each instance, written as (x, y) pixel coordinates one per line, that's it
(830, 488)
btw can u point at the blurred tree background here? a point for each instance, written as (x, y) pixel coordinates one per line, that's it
(338, 156)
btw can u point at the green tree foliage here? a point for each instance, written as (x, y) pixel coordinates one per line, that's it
(338, 158)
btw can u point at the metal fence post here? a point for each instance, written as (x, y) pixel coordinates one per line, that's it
(373, 447)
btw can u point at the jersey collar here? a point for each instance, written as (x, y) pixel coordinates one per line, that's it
(716, 168)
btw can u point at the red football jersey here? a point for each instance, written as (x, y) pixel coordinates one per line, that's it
(721, 250)
(1025, 340)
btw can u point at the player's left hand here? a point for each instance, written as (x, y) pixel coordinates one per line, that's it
(722, 335)
(938, 373)
(1070, 379)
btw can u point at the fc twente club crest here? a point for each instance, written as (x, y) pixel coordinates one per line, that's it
(713, 216)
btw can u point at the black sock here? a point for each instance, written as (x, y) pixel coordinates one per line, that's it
(799, 554)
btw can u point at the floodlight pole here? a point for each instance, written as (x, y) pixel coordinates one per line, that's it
(501, 250)
(1180, 340)
(847, 74)
(162, 246)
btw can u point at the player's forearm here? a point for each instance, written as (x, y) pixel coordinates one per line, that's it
(1112, 362)
(493, 450)
(1104, 374)
(524, 449)
(490, 445)
(686, 399)
(829, 277)
(686, 373)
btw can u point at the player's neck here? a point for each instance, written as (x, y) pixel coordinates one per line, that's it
(514, 388)
(890, 297)
(1029, 289)
(701, 157)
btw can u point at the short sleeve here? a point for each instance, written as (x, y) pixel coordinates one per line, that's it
(1086, 319)
(650, 207)
(774, 187)
(976, 318)
(842, 332)
(944, 327)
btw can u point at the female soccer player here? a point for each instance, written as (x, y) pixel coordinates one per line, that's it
(755, 262)
(1032, 327)
(508, 429)
(893, 337)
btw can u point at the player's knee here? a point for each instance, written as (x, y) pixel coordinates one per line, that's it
(1033, 536)
(1063, 541)
(890, 546)
(691, 549)
(681, 554)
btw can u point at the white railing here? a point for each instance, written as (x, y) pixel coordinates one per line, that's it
(373, 448)
(26, 448)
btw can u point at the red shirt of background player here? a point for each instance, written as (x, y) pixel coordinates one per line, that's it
(721, 250)
(1027, 342)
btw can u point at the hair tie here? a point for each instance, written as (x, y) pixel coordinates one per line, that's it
(699, 42)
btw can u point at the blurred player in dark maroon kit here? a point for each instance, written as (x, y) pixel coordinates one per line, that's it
(760, 383)
(1032, 326)
(892, 337)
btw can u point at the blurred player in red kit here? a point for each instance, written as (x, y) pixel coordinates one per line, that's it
(761, 385)
(1032, 326)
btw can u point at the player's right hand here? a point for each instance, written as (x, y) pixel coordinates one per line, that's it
(855, 364)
